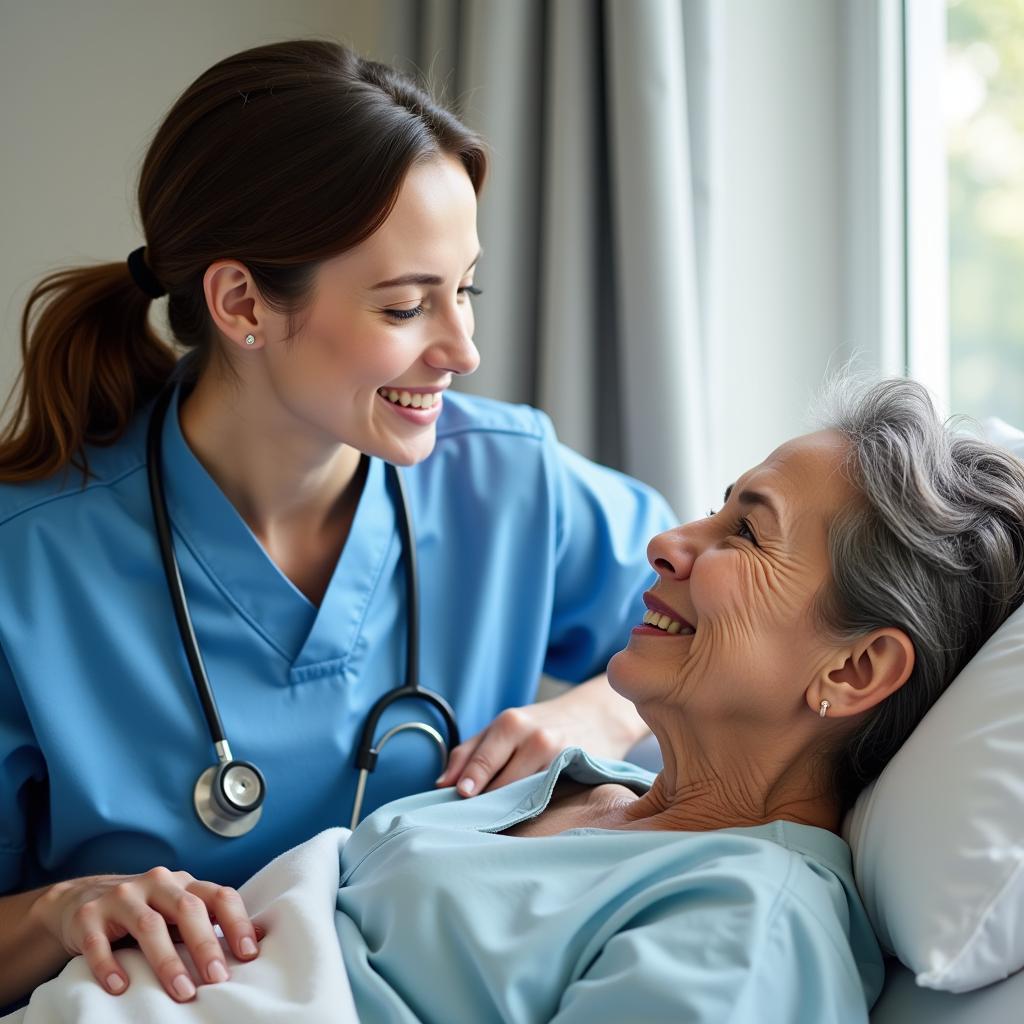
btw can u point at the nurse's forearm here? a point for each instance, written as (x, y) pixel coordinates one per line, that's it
(29, 953)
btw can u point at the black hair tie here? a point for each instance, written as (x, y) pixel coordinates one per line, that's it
(143, 276)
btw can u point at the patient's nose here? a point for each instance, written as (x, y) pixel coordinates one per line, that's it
(669, 554)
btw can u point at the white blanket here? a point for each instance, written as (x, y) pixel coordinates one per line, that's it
(298, 976)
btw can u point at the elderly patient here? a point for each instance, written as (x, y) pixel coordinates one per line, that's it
(793, 640)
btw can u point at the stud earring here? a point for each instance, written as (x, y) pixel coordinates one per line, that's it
(824, 709)
(250, 339)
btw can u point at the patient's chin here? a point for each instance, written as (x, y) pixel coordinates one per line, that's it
(626, 674)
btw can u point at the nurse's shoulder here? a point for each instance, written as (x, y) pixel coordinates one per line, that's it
(65, 492)
(513, 442)
(472, 414)
(487, 449)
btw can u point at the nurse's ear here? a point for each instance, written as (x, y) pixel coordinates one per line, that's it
(236, 307)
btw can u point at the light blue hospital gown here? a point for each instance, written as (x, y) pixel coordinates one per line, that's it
(531, 559)
(441, 921)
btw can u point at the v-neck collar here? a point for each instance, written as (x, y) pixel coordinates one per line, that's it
(314, 641)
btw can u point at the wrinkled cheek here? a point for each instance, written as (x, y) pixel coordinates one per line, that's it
(728, 646)
(694, 665)
(736, 620)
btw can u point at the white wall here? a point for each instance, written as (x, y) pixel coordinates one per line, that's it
(779, 311)
(776, 314)
(84, 86)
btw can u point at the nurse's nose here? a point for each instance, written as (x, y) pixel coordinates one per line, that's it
(452, 349)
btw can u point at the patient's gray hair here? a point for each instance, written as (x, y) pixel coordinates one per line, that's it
(936, 548)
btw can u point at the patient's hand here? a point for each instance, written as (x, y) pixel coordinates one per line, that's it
(87, 914)
(521, 741)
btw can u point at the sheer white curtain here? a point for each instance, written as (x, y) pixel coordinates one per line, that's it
(594, 221)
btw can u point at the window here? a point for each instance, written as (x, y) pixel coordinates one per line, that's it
(983, 79)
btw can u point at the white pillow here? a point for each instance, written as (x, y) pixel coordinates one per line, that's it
(938, 838)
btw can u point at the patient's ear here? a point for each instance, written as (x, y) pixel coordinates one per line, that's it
(874, 667)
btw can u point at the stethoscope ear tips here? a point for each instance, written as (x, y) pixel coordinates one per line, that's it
(228, 797)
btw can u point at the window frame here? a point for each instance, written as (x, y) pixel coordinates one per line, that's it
(875, 215)
(926, 217)
(896, 221)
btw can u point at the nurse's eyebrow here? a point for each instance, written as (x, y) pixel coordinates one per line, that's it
(428, 280)
(755, 498)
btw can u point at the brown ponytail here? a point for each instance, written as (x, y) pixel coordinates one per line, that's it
(89, 360)
(280, 156)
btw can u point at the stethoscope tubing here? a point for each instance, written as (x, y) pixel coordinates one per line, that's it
(171, 570)
(366, 753)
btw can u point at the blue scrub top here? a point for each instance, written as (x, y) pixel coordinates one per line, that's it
(531, 559)
(442, 920)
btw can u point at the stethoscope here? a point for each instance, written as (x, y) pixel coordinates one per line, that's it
(229, 795)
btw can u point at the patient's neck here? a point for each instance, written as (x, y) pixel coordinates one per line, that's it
(713, 783)
(702, 805)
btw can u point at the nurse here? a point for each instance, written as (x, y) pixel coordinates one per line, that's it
(311, 217)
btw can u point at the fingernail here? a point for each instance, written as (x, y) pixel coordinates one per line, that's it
(217, 971)
(184, 987)
(466, 787)
(437, 781)
(247, 946)
(115, 983)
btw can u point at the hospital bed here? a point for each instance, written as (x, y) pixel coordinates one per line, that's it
(938, 851)
(304, 934)
(902, 1000)
(938, 841)
(296, 893)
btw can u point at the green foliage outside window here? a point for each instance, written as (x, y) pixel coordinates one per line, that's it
(985, 120)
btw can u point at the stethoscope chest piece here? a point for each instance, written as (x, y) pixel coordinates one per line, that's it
(228, 797)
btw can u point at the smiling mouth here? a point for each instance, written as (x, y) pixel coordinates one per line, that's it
(410, 399)
(667, 624)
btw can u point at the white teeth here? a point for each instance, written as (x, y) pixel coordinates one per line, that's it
(419, 400)
(666, 623)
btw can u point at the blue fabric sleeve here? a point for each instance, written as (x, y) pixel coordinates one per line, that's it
(21, 768)
(734, 954)
(604, 521)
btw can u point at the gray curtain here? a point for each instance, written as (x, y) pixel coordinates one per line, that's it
(594, 220)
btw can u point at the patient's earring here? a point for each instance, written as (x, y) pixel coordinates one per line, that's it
(250, 339)
(824, 709)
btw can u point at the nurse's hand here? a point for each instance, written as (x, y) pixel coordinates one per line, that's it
(521, 741)
(87, 914)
